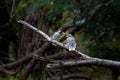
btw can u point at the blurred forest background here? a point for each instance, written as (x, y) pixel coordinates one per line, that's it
(95, 24)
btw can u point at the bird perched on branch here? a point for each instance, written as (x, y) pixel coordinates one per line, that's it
(56, 35)
(70, 43)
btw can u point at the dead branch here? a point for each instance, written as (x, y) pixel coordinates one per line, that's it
(28, 69)
(52, 40)
(87, 59)
(73, 76)
(3, 70)
(93, 61)
(33, 61)
(45, 46)
(18, 62)
(60, 56)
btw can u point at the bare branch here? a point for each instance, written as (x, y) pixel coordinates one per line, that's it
(3, 70)
(50, 39)
(17, 63)
(60, 56)
(93, 61)
(21, 61)
(73, 76)
(87, 59)
(33, 61)
(35, 29)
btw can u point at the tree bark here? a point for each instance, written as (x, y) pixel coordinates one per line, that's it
(114, 74)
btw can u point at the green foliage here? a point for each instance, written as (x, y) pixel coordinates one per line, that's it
(12, 54)
(12, 78)
(30, 77)
(20, 9)
(44, 75)
(103, 32)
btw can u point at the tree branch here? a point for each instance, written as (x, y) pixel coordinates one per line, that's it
(93, 61)
(33, 61)
(87, 59)
(17, 63)
(52, 40)
(73, 76)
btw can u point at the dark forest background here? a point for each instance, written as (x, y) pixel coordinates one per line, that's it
(95, 27)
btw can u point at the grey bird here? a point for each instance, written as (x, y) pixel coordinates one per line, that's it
(56, 35)
(70, 43)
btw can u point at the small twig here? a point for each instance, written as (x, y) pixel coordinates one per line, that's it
(12, 8)
(4, 25)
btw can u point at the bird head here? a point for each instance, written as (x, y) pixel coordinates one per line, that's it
(59, 31)
(69, 35)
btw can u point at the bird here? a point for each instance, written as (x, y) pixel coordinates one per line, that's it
(70, 43)
(56, 35)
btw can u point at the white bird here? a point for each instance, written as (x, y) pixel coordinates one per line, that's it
(56, 34)
(70, 43)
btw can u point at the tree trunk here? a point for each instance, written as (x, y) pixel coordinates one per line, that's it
(114, 74)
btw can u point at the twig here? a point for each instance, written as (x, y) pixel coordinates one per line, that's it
(13, 6)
